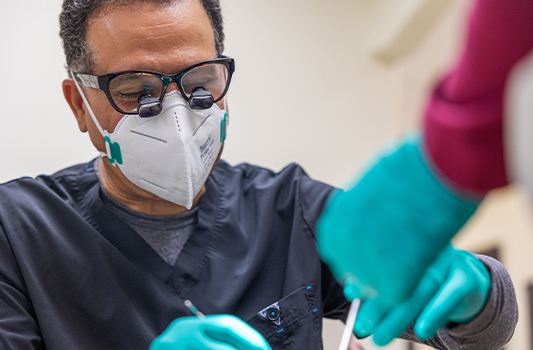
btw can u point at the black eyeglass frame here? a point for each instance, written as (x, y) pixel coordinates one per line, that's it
(102, 81)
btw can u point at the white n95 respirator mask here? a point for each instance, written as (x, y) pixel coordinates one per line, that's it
(171, 154)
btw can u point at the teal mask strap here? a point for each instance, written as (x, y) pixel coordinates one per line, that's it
(115, 157)
(223, 127)
(113, 151)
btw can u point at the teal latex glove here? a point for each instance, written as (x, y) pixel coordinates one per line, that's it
(455, 288)
(214, 332)
(385, 231)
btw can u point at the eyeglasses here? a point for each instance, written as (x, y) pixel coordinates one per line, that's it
(142, 92)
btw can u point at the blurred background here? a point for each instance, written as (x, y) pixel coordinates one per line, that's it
(324, 83)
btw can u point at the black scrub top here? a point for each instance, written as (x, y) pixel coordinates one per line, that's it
(75, 276)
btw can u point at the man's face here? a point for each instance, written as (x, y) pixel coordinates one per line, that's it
(161, 38)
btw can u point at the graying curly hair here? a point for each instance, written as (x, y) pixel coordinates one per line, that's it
(74, 19)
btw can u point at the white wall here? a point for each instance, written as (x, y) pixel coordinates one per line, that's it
(38, 133)
(302, 90)
(308, 89)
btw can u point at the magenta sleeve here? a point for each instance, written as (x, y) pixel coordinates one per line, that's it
(463, 120)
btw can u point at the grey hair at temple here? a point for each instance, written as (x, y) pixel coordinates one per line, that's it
(75, 16)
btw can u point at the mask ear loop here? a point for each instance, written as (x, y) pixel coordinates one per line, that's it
(226, 111)
(104, 133)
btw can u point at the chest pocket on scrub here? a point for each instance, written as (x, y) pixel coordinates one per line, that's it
(291, 323)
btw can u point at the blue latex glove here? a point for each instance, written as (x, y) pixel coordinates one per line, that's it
(455, 288)
(386, 231)
(214, 332)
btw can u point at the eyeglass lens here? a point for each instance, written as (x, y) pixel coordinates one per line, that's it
(126, 88)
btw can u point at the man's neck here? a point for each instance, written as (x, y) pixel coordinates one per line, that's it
(135, 198)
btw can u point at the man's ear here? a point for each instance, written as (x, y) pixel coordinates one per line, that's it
(75, 101)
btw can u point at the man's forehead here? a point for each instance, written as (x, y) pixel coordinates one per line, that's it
(120, 17)
(149, 30)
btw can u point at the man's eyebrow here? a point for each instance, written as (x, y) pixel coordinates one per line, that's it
(135, 76)
(130, 77)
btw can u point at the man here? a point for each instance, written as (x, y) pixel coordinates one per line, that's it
(103, 255)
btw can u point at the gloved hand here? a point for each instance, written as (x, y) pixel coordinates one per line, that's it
(214, 332)
(455, 288)
(385, 232)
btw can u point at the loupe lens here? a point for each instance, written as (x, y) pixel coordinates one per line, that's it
(149, 106)
(201, 99)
